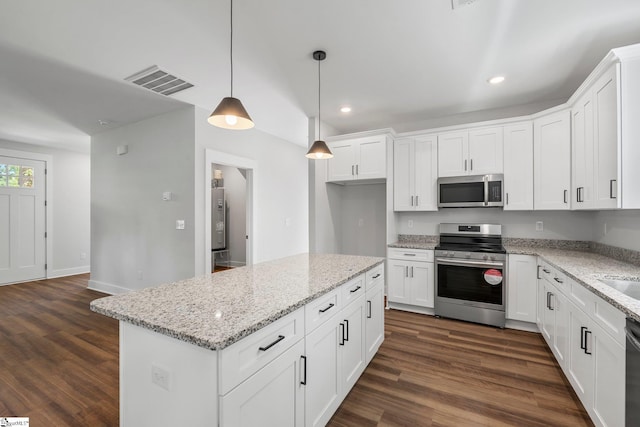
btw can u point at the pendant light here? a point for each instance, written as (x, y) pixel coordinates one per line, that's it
(230, 113)
(319, 149)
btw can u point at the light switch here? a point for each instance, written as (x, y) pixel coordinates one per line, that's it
(180, 224)
(539, 226)
(166, 196)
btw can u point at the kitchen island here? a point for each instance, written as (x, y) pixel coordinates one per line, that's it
(277, 343)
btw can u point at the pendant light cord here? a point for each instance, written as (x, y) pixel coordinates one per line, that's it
(319, 120)
(231, 47)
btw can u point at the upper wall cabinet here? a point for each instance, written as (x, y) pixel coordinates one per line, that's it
(606, 129)
(552, 161)
(473, 152)
(358, 159)
(518, 166)
(415, 173)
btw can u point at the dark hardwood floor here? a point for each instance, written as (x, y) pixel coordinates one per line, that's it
(440, 372)
(59, 367)
(58, 360)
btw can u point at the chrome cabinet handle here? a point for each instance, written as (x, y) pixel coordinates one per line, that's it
(357, 171)
(411, 200)
(280, 338)
(471, 163)
(411, 271)
(507, 196)
(352, 169)
(465, 165)
(417, 203)
(406, 271)
(409, 254)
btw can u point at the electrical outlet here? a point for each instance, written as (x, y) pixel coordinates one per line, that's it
(160, 376)
(539, 226)
(410, 223)
(180, 224)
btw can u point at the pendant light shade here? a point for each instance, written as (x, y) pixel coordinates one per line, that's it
(230, 113)
(319, 149)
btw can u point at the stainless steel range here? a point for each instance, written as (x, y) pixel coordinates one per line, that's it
(470, 273)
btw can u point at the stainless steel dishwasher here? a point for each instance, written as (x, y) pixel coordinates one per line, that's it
(632, 409)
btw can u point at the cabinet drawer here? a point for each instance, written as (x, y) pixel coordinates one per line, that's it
(321, 309)
(352, 290)
(607, 316)
(244, 358)
(410, 254)
(374, 276)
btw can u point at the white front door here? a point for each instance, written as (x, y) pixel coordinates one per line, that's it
(22, 220)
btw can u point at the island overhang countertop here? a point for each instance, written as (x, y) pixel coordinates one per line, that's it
(216, 310)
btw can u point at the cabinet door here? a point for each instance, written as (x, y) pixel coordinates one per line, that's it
(548, 319)
(609, 388)
(403, 175)
(272, 396)
(425, 172)
(521, 288)
(374, 323)
(421, 277)
(453, 153)
(561, 332)
(342, 166)
(582, 148)
(580, 364)
(323, 382)
(353, 344)
(518, 166)
(605, 118)
(552, 161)
(485, 151)
(398, 286)
(372, 158)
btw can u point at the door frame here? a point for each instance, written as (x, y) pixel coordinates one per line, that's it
(221, 158)
(48, 197)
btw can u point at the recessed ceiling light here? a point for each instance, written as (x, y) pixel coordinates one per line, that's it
(346, 109)
(496, 80)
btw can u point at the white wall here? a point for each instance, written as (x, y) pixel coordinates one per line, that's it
(235, 190)
(622, 228)
(134, 239)
(281, 188)
(69, 208)
(363, 220)
(563, 225)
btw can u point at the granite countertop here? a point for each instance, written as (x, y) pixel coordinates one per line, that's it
(415, 241)
(586, 268)
(216, 310)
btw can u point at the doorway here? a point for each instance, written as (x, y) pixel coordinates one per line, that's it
(236, 175)
(22, 219)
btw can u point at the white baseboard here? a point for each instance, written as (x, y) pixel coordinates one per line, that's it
(62, 272)
(521, 326)
(411, 308)
(107, 288)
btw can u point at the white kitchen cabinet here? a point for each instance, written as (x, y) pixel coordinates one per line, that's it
(358, 159)
(554, 311)
(552, 161)
(522, 288)
(260, 399)
(473, 152)
(518, 166)
(596, 369)
(374, 321)
(353, 347)
(415, 173)
(582, 194)
(411, 280)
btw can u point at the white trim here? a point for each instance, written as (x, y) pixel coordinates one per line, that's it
(521, 326)
(63, 272)
(250, 165)
(107, 288)
(48, 164)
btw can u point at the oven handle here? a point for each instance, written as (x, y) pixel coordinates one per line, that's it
(469, 263)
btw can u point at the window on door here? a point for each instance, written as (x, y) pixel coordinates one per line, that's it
(16, 176)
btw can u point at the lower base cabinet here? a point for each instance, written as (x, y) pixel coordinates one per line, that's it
(411, 277)
(273, 396)
(374, 321)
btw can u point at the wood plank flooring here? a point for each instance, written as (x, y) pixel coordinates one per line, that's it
(59, 366)
(58, 360)
(440, 372)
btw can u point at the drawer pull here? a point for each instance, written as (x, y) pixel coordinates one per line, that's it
(280, 338)
(409, 254)
(322, 310)
(558, 280)
(356, 289)
(545, 270)
(368, 309)
(376, 276)
(304, 360)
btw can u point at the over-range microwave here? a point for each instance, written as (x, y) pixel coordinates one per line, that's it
(471, 191)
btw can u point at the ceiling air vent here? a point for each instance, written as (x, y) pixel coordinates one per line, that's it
(153, 78)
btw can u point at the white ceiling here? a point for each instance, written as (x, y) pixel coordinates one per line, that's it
(402, 64)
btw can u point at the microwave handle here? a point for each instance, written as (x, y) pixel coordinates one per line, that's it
(486, 191)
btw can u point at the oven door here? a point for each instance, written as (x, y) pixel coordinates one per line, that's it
(470, 282)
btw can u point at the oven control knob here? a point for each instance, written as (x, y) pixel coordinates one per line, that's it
(485, 257)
